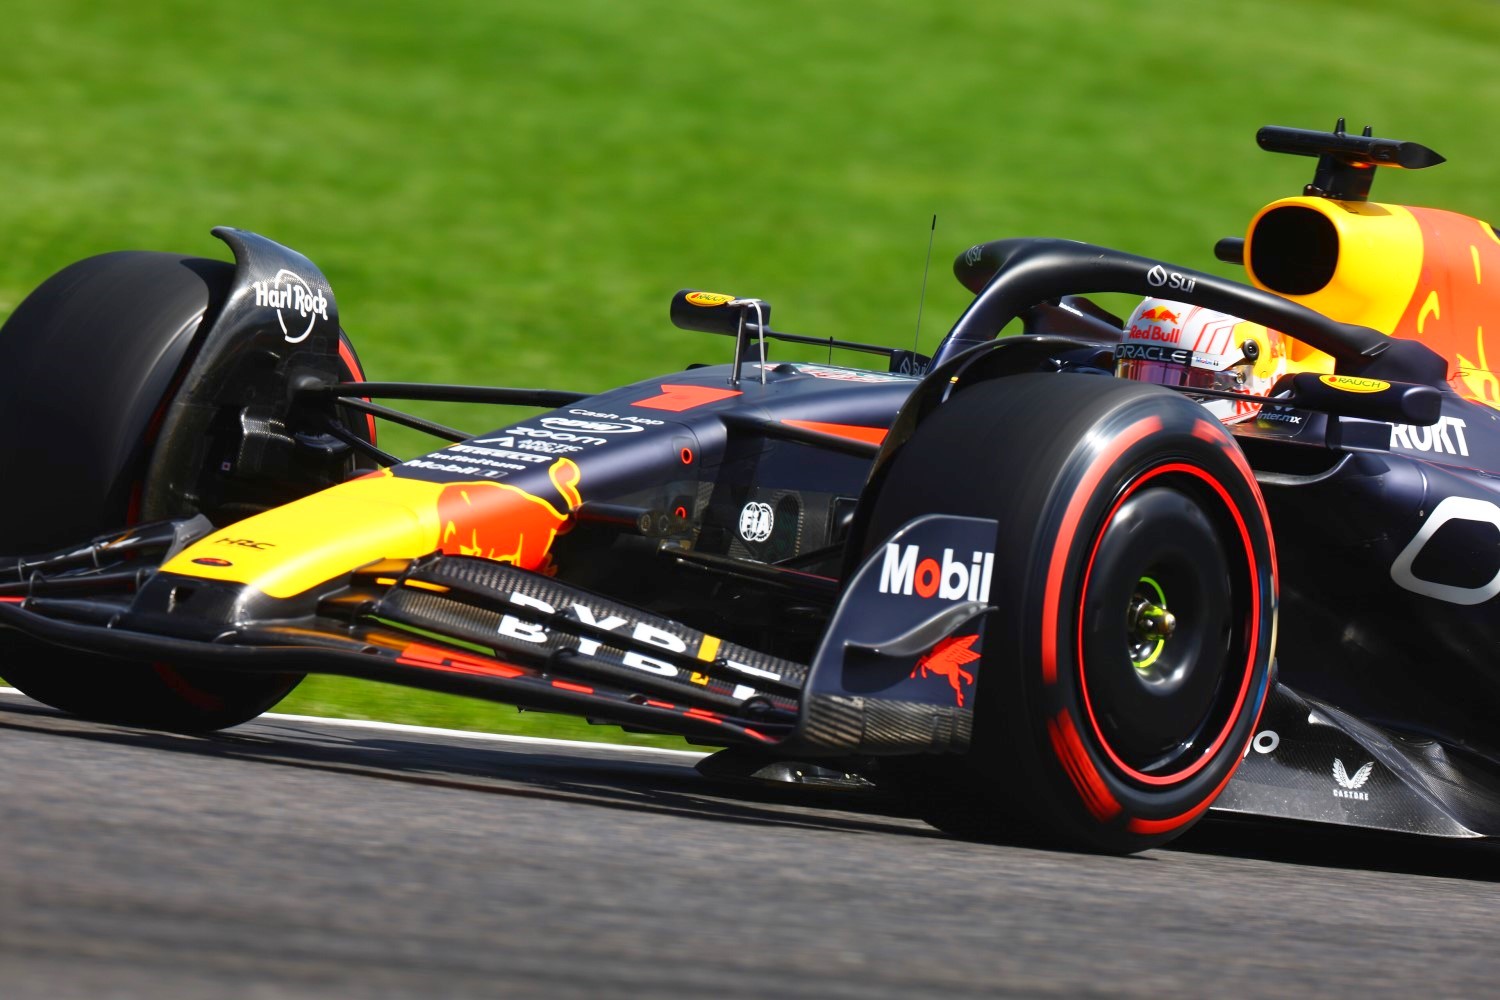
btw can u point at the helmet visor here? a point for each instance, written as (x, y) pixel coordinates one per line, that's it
(1180, 376)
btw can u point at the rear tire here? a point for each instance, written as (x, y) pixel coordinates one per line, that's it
(88, 363)
(1099, 723)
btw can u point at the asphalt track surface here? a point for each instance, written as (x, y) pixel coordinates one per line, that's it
(300, 859)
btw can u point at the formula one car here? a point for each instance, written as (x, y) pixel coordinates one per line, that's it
(1036, 599)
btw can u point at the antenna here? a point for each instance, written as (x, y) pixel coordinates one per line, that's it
(922, 299)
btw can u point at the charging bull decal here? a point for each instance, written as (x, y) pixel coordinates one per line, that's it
(506, 523)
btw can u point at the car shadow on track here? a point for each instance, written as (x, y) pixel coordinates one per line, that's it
(643, 782)
(634, 782)
(1350, 848)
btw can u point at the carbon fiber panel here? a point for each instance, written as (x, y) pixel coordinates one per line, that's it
(1311, 761)
(853, 724)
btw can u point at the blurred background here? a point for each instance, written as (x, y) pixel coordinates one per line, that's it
(509, 192)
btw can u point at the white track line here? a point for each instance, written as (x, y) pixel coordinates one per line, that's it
(396, 727)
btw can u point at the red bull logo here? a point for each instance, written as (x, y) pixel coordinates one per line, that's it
(506, 523)
(1156, 322)
(947, 659)
(1154, 331)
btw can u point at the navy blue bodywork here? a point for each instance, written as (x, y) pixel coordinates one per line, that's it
(720, 529)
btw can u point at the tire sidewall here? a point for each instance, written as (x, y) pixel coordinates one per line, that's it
(1138, 439)
(114, 414)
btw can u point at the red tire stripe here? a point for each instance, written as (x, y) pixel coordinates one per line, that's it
(1148, 826)
(1254, 631)
(1153, 826)
(1080, 769)
(1081, 496)
(204, 701)
(346, 355)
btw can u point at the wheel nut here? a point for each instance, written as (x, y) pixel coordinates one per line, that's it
(1152, 621)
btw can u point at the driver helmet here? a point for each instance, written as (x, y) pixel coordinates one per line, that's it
(1171, 343)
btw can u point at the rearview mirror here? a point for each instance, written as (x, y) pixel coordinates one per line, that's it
(1370, 398)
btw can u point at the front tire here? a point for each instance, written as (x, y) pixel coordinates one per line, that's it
(1129, 652)
(88, 364)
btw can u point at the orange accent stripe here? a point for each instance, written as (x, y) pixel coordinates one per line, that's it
(579, 688)
(699, 713)
(659, 704)
(465, 667)
(12, 600)
(854, 432)
(435, 658)
(677, 398)
(420, 651)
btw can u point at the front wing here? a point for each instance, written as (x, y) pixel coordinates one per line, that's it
(483, 628)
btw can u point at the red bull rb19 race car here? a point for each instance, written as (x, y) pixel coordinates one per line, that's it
(1080, 584)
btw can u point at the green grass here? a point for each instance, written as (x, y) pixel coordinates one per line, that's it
(509, 193)
(351, 699)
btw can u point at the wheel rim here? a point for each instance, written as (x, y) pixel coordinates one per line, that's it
(1167, 626)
